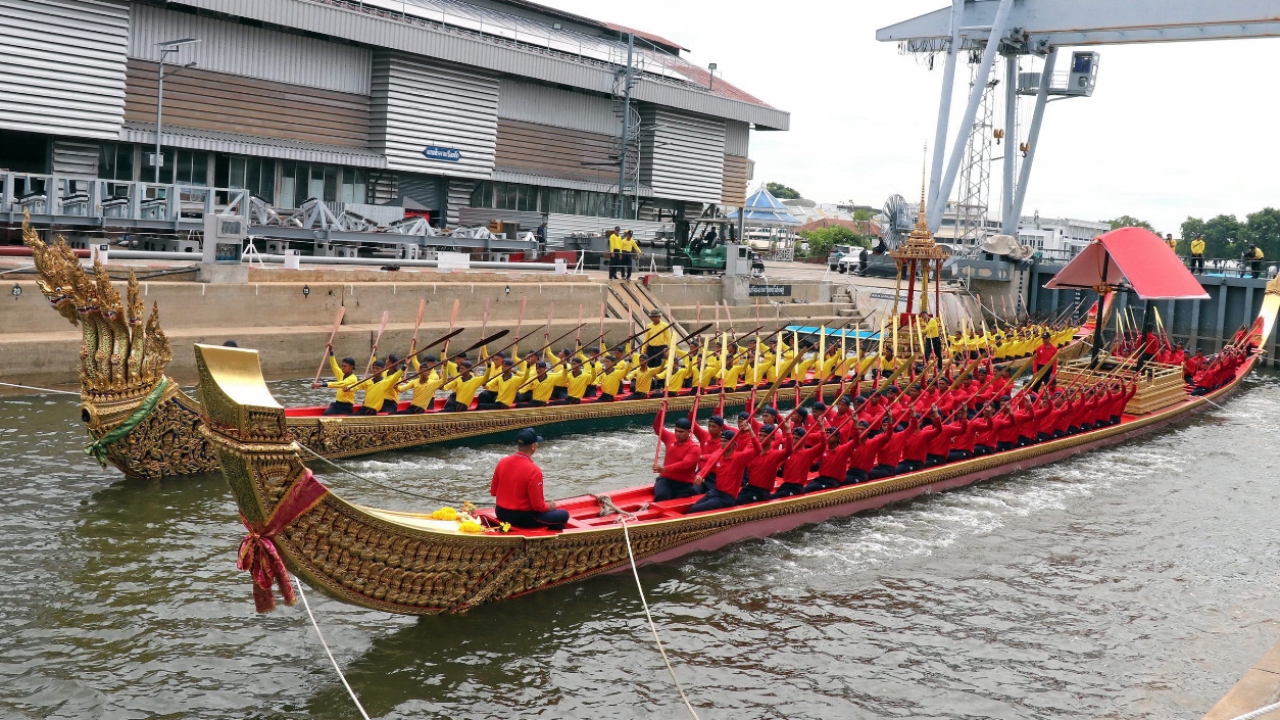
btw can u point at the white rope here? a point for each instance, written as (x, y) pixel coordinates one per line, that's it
(1258, 713)
(328, 652)
(371, 481)
(31, 387)
(647, 614)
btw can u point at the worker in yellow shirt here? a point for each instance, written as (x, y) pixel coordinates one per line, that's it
(423, 387)
(731, 376)
(381, 396)
(658, 338)
(576, 381)
(462, 388)
(345, 373)
(504, 386)
(609, 379)
(932, 338)
(1197, 254)
(615, 253)
(537, 390)
(628, 250)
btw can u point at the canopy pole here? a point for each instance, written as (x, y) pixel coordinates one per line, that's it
(1097, 328)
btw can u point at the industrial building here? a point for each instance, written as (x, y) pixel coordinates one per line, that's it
(348, 121)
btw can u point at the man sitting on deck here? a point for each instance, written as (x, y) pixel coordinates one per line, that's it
(517, 486)
(727, 472)
(382, 395)
(424, 387)
(345, 372)
(679, 465)
(463, 388)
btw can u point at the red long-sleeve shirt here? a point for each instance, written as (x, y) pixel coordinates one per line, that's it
(941, 444)
(517, 484)
(1006, 428)
(864, 456)
(795, 469)
(762, 472)
(891, 453)
(681, 460)
(986, 431)
(729, 468)
(835, 462)
(918, 446)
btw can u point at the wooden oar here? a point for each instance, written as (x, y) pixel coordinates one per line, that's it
(479, 343)
(443, 339)
(328, 347)
(386, 314)
(558, 363)
(666, 394)
(702, 473)
(422, 305)
(453, 318)
(577, 340)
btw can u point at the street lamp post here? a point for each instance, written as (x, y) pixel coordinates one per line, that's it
(171, 46)
(711, 69)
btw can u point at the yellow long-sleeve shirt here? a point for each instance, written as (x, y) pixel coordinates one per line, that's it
(541, 388)
(506, 388)
(657, 334)
(343, 384)
(577, 383)
(610, 382)
(464, 389)
(384, 389)
(642, 377)
(423, 387)
(732, 374)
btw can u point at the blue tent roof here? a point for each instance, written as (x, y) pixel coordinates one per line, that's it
(765, 209)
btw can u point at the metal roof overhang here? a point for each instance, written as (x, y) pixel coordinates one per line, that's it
(525, 178)
(1095, 22)
(216, 141)
(1133, 255)
(378, 32)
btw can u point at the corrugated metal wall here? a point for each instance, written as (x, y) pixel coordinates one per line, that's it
(421, 188)
(546, 105)
(558, 152)
(204, 100)
(682, 155)
(62, 66)
(737, 138)
(736, 170)
(459, 196)
(250, 51)
(75, 157)
(418, 103)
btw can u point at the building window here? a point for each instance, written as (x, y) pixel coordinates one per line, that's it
(257, 175)
(300, 182)
(191, 168)
(354, 185)
(115, 162)
(482, 196)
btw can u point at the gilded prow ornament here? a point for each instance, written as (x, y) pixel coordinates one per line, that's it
(139, 420)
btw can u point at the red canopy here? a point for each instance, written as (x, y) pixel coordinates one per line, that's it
(1134, 255)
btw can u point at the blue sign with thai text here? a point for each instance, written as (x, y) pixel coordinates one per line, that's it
(442, 153)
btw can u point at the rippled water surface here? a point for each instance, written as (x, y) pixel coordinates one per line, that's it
(1134, 582)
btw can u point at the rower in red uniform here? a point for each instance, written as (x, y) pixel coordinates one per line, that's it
(762, 473)
(727, 472)
(864, 456)
(517, 485)
(890, 455)
(806, 450)
(1046, 354)
(679, 465)
(834, 463)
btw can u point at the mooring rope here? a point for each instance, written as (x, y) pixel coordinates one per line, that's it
(371, 481)
(1258, 713)
(32, 387)
(329, 652)
(605, 500)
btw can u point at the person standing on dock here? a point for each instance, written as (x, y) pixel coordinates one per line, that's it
(345, 379)
(630, 250)
(1197, 254)
(517, 488)
(615, 253)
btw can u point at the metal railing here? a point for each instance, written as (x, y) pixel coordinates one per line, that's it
(95, 198)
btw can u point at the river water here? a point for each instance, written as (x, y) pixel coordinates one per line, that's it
(1134, 582)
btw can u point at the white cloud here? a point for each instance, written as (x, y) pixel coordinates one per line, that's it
(1172, 130)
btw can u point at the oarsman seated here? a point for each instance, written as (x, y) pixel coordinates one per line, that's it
(806, 450)
(537, 390)
(642, 377)
(982, 428)
(424, 387)
(938, 450)
(708, 440)
(762, 472)
(345, 399)
(916, 452)
(504, 387)
(609, 382)
(576, 381)
(381, 396)
(462, 389)
(890, 456)
(517, 487)
(834, 463)
(1006, 427)
(679, 467)
(725, 477)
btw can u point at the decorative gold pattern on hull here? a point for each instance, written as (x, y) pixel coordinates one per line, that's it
(364, 559)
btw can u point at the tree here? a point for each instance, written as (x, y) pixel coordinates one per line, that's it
(1129, 221)
(862, 215)
(1223, 235)
(1263, 229)
(782, 192)
(823, 239)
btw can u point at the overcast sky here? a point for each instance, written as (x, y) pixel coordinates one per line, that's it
(1172, 130)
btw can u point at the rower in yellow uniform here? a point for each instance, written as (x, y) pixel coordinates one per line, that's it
(345, 372)
(381, 396)
(424, 388)
(463, 388)
(576, 381)
(609, 380)
(658, 338)
(537, 390)
(504, 386)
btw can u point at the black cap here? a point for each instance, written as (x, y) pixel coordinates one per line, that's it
(683, 424)
(802, 411)
(727, 434)
(766, 429)
(508, 362)
(349, 361)
(819, 405)
(542, 365)
(393, 358)
(744, 416)
(432, 359)
(797, 431)
(528, 436)
(230, 343)
(379, 363)
(846, 400)
(715, 419)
